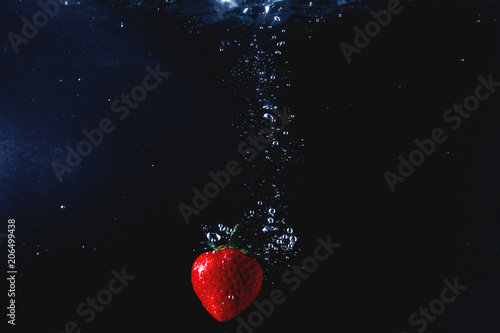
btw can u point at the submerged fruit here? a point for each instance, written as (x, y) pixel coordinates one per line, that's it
(226, 281)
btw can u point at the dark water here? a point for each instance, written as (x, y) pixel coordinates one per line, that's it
(325, 176)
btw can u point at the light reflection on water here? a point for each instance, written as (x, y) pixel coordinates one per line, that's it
(247, 11)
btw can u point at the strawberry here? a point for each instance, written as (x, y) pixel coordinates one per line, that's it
(226, 280)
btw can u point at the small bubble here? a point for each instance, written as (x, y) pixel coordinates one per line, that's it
(268, 116)
(259, 203)
(271, 228)
(289, 230)
(213, 237)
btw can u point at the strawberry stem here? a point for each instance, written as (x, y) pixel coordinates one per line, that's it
(233, 242)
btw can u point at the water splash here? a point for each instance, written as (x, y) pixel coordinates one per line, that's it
(247, 12)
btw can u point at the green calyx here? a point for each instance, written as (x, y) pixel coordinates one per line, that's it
(233, 241)
(234, 238)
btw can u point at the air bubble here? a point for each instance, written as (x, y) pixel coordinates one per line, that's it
(213, 237)
(268, 116)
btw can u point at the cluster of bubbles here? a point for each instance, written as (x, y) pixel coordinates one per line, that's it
(275, 237)
(259, 74)
(264, 234)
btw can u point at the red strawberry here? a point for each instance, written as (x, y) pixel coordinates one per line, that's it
(226, 280)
